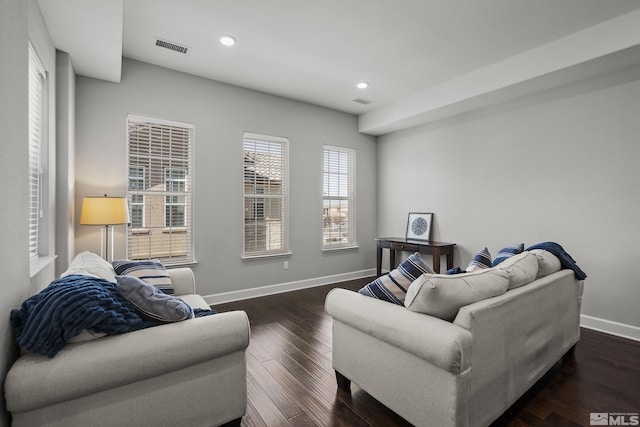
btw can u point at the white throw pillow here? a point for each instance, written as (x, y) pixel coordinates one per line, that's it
(89, 264)
(442, 295)
(522, 269)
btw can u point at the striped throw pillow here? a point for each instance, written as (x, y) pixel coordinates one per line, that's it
(393, 286)
(508, 252)
(151, 271)
(481, 261)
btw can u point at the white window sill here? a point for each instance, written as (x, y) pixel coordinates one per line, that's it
(341, 248)
(250, 257)
(189, 264)
(40, 263)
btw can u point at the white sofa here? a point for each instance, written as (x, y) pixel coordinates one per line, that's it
(186, 373)
(465, 372)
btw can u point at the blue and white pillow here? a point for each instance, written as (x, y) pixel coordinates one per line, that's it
(481, 261)
(508, 252)
(151, 271)
(393, 286)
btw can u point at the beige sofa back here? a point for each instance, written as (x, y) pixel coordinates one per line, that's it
(517, 337)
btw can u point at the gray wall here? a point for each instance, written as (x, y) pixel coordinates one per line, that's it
(20, 21)
(221, 113)
(561, 165)
(65, 160)
(14, 258)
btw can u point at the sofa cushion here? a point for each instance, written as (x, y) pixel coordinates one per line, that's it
(152, 301)
(480, 261)
(441, 295)
(507, 252)
(151, 271)
(547, 262)
(522, 269)
(392, 287)
(89, 264)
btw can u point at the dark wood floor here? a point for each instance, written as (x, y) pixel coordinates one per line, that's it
(290, 381)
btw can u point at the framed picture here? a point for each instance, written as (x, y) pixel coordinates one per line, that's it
(419, 226)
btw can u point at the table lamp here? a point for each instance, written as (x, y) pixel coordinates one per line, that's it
(106, 212)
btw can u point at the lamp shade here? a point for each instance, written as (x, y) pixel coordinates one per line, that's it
(104, 211)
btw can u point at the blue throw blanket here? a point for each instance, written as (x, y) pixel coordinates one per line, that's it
(565, 259)
(46, 321)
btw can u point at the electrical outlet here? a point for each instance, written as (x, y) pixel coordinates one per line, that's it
(285, 265)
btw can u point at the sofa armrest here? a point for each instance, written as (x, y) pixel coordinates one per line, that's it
(183, 280)
(89, 367)
(439, 342)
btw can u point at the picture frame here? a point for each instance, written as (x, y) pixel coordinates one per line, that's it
(419, 226)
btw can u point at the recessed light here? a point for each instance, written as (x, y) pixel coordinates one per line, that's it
(362, 85)
(227, 40)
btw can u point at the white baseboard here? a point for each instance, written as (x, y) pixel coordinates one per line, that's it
(601, 325)
(610, 327)
(286, 287)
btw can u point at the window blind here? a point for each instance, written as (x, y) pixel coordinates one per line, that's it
(37, 78)
(266, 188)
(160, 190)
(338, 198)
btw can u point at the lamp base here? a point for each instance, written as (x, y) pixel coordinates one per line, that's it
(106, 249)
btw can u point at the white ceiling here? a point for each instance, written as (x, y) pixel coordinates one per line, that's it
(316, 51)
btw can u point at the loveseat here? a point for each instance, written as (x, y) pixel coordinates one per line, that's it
(459, 366)
(191, 372)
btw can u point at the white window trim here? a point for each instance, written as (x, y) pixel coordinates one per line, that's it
(41, 252)
(285, 251)
(351, 198)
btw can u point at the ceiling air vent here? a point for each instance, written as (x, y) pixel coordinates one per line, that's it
(362, 101)
(171, 46)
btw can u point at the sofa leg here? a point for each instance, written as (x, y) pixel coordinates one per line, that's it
(233, 423)
(570, 354)
(344, 383)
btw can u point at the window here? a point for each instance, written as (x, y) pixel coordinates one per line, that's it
(338, 198)
(266, 195)
(37, 154)
(160, 190)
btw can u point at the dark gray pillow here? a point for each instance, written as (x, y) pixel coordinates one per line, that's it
(152, 301)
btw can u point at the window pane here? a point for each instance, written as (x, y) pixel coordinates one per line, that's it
(137, 213)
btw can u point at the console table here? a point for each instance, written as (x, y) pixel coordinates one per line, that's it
(435, 249)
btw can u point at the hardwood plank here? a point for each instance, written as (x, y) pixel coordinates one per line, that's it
(290, 381)
(302, 420)
(263, 404)
(281, 397)
(252, 418)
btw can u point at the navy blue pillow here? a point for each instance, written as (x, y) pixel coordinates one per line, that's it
(481, 261)
(151, 271)
(393, 286)
(508, 252)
